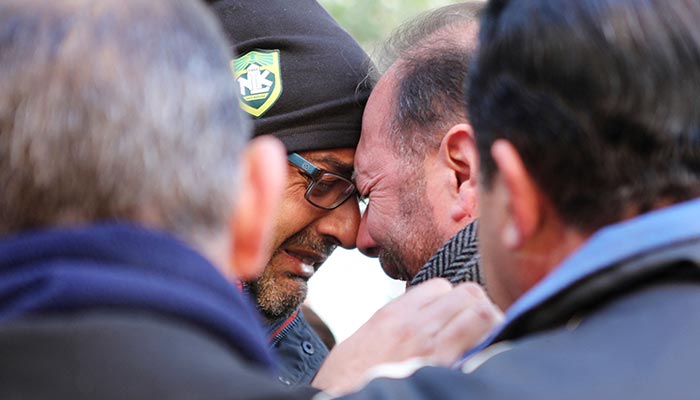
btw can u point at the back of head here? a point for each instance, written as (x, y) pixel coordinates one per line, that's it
(599, 97)
(116, 110)
(313, 77)
(430, 55)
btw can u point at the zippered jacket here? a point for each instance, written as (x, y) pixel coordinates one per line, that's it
(299, 350)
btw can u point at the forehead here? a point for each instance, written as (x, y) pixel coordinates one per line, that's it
(339, 161)
(372, 150)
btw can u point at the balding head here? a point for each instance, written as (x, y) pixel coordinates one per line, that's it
(416, 157)
(428, 58)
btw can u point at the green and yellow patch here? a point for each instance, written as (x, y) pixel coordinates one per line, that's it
(259, 79)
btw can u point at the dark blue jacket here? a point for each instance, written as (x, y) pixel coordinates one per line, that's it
(298, 348)
(619, 319)
(116, 311)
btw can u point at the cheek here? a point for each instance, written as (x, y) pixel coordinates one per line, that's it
(494, 257)
(279, 235)
(380, 217)
(293, 215)
(488, 246)
(498, 283)
(489, 266)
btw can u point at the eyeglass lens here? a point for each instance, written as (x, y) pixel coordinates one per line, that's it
(330, 190)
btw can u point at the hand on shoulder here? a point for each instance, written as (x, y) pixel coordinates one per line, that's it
(434, 322)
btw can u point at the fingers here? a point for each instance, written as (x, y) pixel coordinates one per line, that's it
(450, 302)
(434, 321)
(402, 310)
(467, 329)
(423, 294)
(452, 323)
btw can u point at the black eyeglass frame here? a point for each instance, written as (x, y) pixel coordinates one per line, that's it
(315, 173)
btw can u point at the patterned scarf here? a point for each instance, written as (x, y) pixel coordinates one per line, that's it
(457, 260)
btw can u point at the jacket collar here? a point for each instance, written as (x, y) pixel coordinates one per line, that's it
(457, 260)
(278, 329)
(623, 242)
(123, 267)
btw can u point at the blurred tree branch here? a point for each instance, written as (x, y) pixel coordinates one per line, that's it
(371, 21)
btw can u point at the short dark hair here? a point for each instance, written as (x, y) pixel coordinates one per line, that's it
(599, 97)
(431, 54)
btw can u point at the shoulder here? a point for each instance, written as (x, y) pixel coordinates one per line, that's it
(107, 355)
(604, 352)
(642, 345)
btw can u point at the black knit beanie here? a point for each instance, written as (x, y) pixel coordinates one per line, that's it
(303, 78)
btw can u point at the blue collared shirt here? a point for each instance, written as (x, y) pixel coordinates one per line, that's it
(605, 248)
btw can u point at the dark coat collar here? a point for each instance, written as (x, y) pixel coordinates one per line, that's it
(457, 260)
(122, 267)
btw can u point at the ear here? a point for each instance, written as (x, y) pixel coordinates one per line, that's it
(459, 152)
(522, 196)
(264, 176)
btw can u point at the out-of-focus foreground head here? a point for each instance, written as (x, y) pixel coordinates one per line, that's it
(115, 110)
(303, 79)
(598, 101)
(416, 160)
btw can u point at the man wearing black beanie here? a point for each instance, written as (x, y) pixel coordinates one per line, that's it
(303, 79)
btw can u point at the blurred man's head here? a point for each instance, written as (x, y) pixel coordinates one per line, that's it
(303, 79)
(586, 113)
(416, 160)
(116, 110)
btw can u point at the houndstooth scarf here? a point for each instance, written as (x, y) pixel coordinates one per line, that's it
(457, 260)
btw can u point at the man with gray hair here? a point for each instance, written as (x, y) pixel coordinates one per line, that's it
(120, 142)
(416, 161)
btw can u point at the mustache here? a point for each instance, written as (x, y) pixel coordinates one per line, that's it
(306, 239)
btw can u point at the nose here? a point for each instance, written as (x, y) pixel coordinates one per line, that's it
(364, 240)
(341, 223)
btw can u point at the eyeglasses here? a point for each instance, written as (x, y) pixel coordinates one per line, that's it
(327, 190)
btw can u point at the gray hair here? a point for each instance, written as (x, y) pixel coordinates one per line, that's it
(431, 55)
(116, 110)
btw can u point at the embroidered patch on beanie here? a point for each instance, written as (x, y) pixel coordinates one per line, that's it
(326, 72)
(259, 79)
